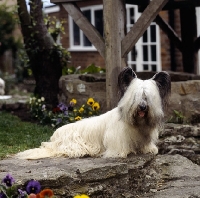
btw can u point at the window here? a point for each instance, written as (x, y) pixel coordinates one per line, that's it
(145, 55)
(78, 41)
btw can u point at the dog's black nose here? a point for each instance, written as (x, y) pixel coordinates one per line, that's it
(143, 107)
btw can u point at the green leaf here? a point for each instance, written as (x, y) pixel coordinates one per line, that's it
(91, 69)
(176, 112)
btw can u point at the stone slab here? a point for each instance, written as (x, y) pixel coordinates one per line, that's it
(135, 176)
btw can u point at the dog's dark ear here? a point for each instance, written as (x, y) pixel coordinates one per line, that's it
(124, 79)
(163, 81)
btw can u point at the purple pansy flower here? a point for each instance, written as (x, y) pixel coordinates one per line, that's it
(66, 113)
(58, 121)
(22, 194)
(33, 187)
(8, 180)
(43, 107)
(62, 107)
(2, 195)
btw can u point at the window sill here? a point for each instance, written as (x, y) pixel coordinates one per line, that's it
(81, 50)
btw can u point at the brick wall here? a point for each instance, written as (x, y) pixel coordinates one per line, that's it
(165, 43)
(86, 58)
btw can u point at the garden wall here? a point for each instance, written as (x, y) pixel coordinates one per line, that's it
(82, 87)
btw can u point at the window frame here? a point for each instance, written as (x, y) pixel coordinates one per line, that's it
(139, 62)
(81, 47)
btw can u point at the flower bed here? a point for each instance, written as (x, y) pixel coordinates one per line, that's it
(62, 114)
(8, 189)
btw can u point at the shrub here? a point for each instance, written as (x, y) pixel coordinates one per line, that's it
(90, 69)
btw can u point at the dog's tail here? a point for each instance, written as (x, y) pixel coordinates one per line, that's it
(36, 153)
(46, 150)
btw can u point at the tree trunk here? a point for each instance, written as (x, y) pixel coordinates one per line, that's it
(47, 72)
(44, 58)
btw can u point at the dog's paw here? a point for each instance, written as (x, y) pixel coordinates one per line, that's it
(151, 148)
(112, 154)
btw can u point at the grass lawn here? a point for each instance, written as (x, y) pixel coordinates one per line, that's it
(16, 135)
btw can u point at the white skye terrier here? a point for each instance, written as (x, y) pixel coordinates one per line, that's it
(131, 127)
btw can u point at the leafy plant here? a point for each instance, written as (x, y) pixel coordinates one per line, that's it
(178, 117)
(55, 28)
(8, 21)
(22, 67)
(62, 114)
(90, 69)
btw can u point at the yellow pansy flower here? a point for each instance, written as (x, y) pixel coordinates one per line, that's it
(96, 106)
(74, 101)
(90, 101)
(78, 118)
(81, 110)
(81, 196)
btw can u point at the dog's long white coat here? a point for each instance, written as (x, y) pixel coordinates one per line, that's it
(112, 134)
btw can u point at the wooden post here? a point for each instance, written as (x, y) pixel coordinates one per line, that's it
(188, 34)
(114, 32)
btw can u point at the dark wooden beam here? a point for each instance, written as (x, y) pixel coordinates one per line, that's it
(172, 3)
(169, 31)
(65, 1)
(88, 29)
(171, 17)
(138, 2)
(181, 4)
(197, 44)
(188, 35)
(141, 25)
